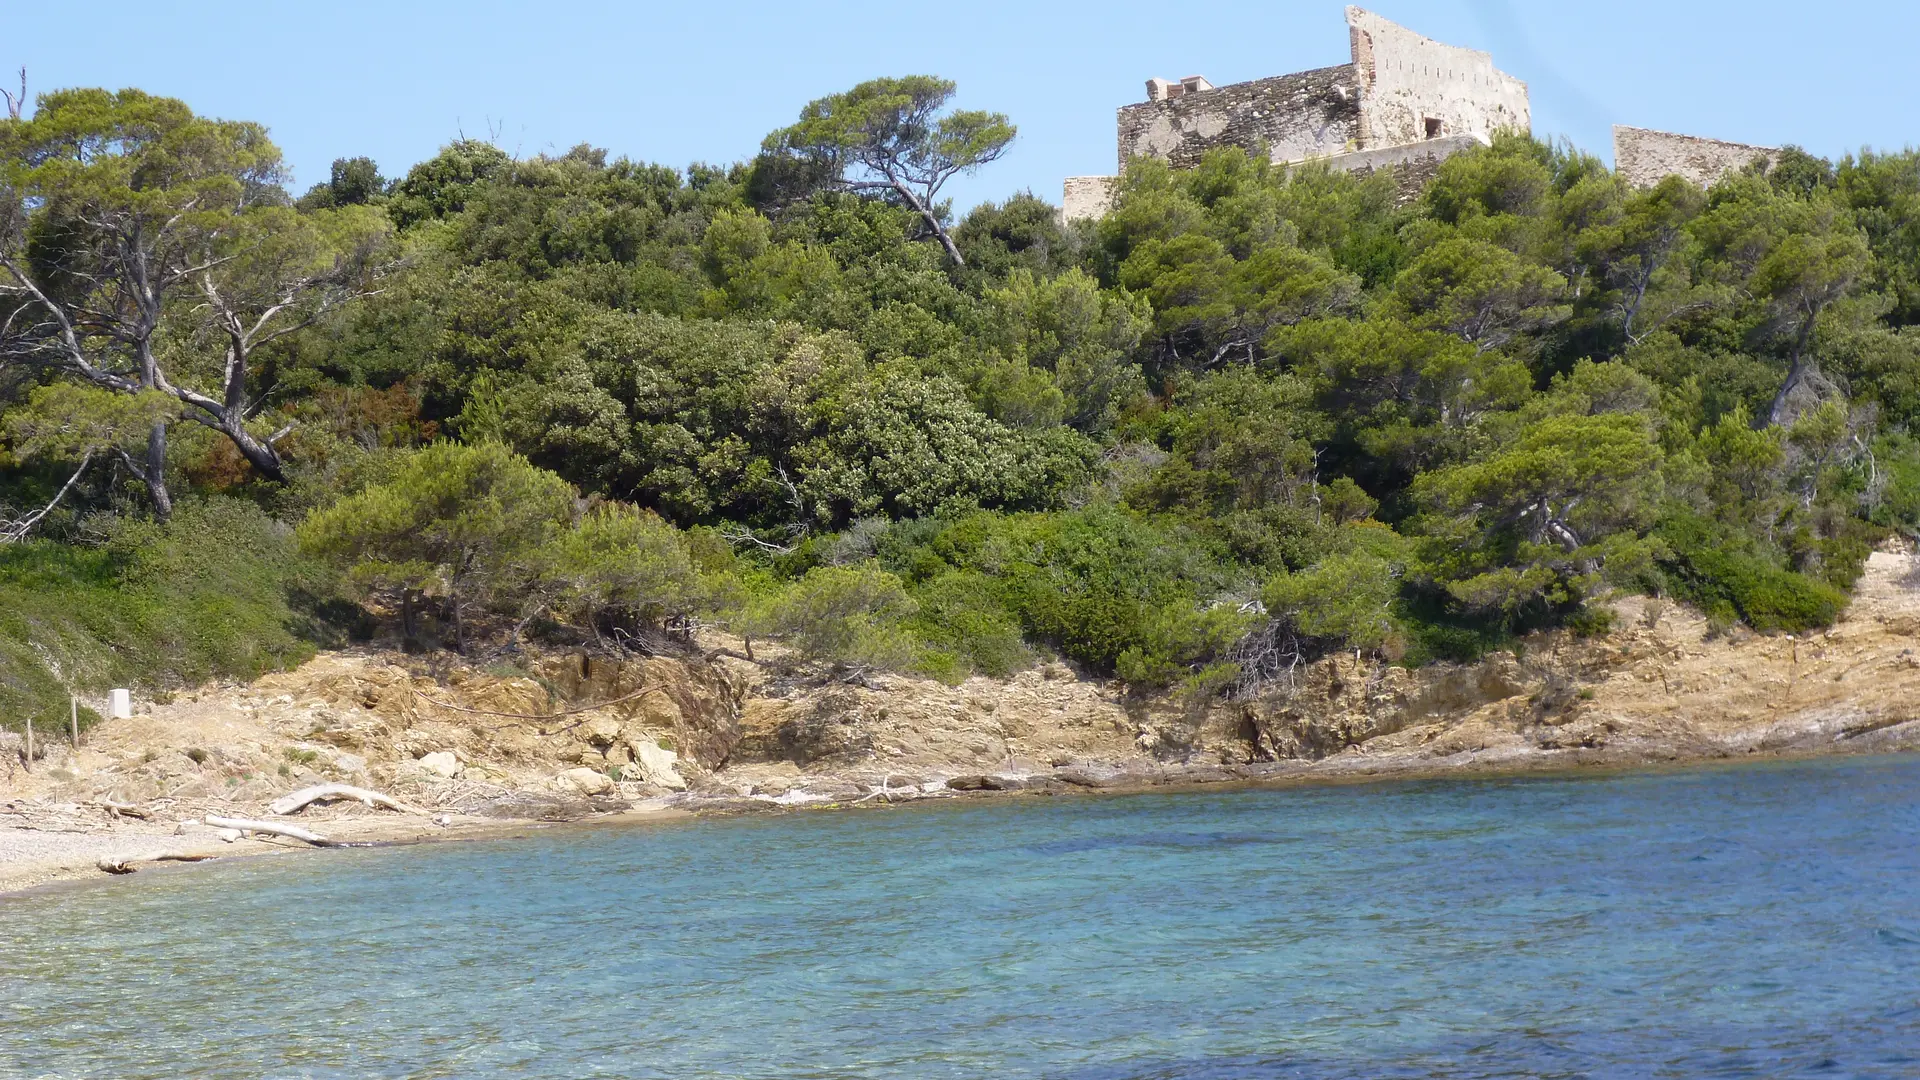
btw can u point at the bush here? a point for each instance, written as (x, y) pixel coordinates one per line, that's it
(622, 567)
(1711, 570)
(849, 616)
(1110, 589)
(154, 606)
(966, 629)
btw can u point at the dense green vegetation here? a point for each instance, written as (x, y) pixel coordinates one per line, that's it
(1253, 415)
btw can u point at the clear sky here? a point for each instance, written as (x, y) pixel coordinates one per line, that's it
(688, 81)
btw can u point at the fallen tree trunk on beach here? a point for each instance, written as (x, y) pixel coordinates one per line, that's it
(127, 864)
(300, 800)
(270, 828)
(117, 809)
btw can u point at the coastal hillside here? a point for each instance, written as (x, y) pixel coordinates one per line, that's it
(1257, 467)
(567, 736)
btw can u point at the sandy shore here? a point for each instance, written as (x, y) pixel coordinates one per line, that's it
(55, 847)
(54, 852)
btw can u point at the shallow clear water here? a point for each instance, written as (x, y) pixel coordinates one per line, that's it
(1759, 921)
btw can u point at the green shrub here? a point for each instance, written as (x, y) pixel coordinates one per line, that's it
(966, 629)
(1110, 589)
(154, 606)
(1709, 568)
(845, 615)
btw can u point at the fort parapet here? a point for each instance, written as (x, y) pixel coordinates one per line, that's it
(1403, 100)
(1643, 157)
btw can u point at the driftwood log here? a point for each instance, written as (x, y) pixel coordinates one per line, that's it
(300, 800)
(129, 863)
(270, 828)
(115, 808)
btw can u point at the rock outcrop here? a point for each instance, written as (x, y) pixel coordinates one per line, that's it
(565, 734)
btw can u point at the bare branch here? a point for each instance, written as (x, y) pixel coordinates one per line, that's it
(14, 531)
(15, 104)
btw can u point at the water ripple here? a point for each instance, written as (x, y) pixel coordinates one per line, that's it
(1754, 922)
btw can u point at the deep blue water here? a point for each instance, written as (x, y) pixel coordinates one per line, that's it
(1758, 921)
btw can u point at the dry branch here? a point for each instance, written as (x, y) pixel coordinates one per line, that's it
(271, 829)
(299, 800)
(128, 864)
(115, 809)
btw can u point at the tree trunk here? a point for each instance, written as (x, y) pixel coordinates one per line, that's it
(259, 453)
(156, 472)
(409, 622)
(953, 250)
(290, 804)
(1797, 372)
(926, 214)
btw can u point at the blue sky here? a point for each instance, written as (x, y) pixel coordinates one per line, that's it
(683, 82)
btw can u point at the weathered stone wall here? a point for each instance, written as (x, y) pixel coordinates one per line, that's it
(1413, 166)
(1413, 88)
(1087, 196)
(1643, 157)
(1310, 114)
(1404, 95)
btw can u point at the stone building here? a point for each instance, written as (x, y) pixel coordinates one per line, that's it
(1403, 100)
(1642, 157)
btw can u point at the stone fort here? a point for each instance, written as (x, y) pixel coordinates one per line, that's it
(1403, 102)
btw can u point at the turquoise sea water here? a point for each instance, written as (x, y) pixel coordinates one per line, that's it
(1759, 921)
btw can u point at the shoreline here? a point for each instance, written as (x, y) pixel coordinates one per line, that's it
(41, 877)
(1661, 690)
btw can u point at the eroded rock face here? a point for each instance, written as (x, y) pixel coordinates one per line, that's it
(690, 702)
(1659, 685)
(1338, 702)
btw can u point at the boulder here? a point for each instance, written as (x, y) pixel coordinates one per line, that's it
(1093, 776)
(601, 732)
(440, 763)
(981, 782)
(587, 781)
(654, 765)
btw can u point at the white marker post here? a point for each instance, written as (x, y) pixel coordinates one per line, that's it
(121, 704)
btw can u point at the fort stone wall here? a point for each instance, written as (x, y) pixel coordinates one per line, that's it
(1088, 196)
(1643, 157)
(1405, 102)
(1309, 114)
(1413, 88)
(1413, 166)
(1400, 90)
